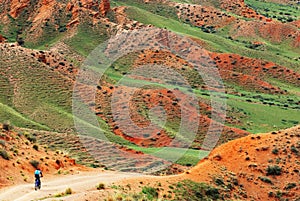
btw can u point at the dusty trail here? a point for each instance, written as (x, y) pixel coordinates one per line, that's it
(80, 184)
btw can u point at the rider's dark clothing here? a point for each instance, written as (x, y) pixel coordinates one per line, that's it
(38, 174)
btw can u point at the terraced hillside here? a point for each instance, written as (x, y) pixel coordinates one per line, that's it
(254, 45)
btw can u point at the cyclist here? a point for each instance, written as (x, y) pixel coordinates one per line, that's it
(38, 174)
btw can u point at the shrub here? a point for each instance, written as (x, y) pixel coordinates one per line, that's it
(294, 149)
(4, 154)
(35, 147)
(290, 186)
(275, 151)
(150, 192)
(62, 28)
(119, 197)
(219, 181)
(30, 137)
(7, 126)
(34, 163)
(271, 194)
(278, 194)
(265, 179)
(100, 186)
(273, 170)
(190, 190)
(68, 191)
(93, 165)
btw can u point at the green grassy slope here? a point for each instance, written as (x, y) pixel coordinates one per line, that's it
(218, 42)
(281, 12)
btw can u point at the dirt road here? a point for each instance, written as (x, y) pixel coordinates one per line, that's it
(80, 183)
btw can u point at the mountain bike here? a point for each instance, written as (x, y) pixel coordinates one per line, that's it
(37, 184)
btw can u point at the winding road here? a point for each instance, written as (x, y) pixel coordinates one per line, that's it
(80, 183)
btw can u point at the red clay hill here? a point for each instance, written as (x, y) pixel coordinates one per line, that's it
(20, 154)
(255, 167)
(265, 166)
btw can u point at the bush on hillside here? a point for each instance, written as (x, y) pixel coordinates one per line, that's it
(36, 147)
(190, 190)
(4, 154)
(7, 126)
(34, 163)
(30, 137)
(68, 191)
(273, 170)
(150, 192)
(100, 186)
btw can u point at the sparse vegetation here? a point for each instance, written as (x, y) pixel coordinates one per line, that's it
(68, 191)
(281, 12)
(150, 192)
(190, 190)
(2, 143)
(30, 137)
(273, 170)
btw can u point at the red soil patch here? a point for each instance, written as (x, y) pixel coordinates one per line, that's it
(251, 73)
(275, 32)
(243, 71)
(20, 151)
(153, 137)
(296, 23)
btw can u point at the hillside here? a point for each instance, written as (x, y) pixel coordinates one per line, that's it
(253, 45)
(266, 166)
(184, 88)
(256, 167)
(21, 153)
